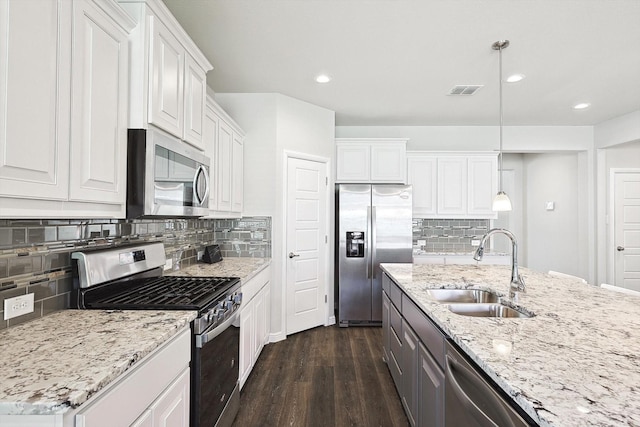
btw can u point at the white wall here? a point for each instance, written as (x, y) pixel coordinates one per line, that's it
(274, 124)
(618, 130)
(552, 236)
(616, 142)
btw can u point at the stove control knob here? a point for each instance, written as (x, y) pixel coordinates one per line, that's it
(237, 298)
(228, 304)
(210, 316)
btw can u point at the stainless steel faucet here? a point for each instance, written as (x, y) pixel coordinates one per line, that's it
(517, 283)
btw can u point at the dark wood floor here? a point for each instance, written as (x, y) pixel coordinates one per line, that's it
(327, 376)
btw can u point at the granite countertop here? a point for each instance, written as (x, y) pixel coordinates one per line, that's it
(575, 363)
(57, 362)
(244, 268)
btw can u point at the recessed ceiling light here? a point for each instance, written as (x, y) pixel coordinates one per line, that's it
(582, 105)
(323, 78)
(515, 78)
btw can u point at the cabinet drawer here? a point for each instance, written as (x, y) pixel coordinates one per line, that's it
(395, 294)
(426, 330)
(395, 320)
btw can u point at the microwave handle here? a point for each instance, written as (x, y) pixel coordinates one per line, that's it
(201, 171)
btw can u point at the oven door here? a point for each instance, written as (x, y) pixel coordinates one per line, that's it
(215, 397)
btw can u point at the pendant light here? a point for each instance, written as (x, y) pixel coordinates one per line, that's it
(501, 202)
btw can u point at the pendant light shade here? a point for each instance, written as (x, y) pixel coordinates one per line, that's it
(501, 202)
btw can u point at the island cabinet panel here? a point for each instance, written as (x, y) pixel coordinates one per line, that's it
(410, 355)
(430, 389)
(415, 354)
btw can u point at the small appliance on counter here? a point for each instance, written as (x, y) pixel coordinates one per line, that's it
(212, 254)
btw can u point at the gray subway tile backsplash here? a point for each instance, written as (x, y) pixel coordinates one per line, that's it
(448, 235)
(35, 255)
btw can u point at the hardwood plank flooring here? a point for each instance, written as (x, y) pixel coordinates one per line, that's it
(327, 376)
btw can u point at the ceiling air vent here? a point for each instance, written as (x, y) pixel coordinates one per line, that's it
(465, 89)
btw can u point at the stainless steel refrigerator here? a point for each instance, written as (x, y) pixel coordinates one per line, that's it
(373, 223)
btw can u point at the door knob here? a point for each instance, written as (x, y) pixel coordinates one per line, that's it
(292, 255)
(620, 248)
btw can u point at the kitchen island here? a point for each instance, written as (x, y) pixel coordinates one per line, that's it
(574, 363)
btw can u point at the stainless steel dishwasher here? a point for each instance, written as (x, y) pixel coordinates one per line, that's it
(471, 401)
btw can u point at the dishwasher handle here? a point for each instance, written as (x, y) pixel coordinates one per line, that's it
(474, 392)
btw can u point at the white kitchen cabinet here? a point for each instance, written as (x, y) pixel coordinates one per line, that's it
(224, 145)
(195, 94)
(254, 321)
(482, 185)
(64, 155)
(99, 106)
(166, 96)
(362, 160)
(168, 74)
(154, 393)
(422, 173)
(453, 185)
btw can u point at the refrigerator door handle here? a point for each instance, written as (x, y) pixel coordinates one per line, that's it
(373, 242)
(368, 243)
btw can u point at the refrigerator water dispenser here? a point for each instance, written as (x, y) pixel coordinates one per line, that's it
(355, 244)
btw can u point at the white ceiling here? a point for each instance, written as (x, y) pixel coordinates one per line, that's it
(393, 62)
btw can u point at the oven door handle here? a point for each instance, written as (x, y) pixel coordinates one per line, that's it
(205, 337)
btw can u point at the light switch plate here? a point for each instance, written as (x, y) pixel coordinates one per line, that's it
(17, 306)
(550, 206)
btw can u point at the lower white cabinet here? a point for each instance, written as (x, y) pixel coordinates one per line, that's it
(155, 393)
(255, 316)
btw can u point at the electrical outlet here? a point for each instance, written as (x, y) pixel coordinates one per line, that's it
(422, 242)
(14, 307)
(475, 242)
(168, 263)
(200, 253)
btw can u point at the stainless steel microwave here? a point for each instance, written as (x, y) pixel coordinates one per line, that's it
(165, 177)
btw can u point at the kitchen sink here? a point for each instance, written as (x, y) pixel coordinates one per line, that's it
(463, 296)
(487, 310)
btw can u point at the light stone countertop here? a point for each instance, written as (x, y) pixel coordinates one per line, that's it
(244, 268)
(575, 363)
(57, 362)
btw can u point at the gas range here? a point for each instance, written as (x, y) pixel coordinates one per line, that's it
(130, 278)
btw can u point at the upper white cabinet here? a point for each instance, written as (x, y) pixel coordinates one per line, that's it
(64, 155)
(376, 160)
(453, 185)
(168, 74)
(224, 145)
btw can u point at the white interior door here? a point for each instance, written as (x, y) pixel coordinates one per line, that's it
(626, 234)
(306, 276)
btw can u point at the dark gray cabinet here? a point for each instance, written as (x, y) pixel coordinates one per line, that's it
(431, 390)
(414, 349)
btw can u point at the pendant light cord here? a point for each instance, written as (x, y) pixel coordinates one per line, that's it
(500, 174)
